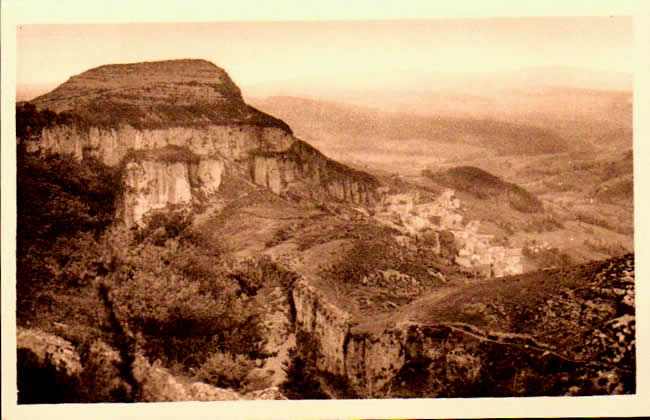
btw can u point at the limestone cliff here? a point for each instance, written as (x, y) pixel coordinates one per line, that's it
(302, 165)
(327, 323)
(496, 354)
(111, 146)
(151, 184)
(367, 361)
(133, 115)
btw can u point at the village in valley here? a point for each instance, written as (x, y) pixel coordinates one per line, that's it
(416, 215)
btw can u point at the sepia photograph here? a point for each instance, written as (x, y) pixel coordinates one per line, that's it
(367, 209)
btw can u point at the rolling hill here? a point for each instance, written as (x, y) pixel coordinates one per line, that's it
(366, 128)
(484, 185)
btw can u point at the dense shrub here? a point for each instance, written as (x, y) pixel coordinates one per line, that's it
(226, 370)
(164, 284)
(372, 253)
(186, 303)
(449, 247)
(69, 196)
(162, 226)
(169, 153)
(548, 258)
(63, 207)
(30, 121)
(362, 259)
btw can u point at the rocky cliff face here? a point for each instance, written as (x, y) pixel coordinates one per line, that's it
(451, 359)
(367, 361)
(133, 115)
(111, 146)
(290, 170)
(153, 185)
(325, 322)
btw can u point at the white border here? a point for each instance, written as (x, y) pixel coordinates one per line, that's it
(71, 11)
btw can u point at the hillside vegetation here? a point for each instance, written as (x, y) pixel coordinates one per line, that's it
(161, 292)
(175, 93)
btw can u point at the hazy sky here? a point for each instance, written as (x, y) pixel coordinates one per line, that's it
(372, 53)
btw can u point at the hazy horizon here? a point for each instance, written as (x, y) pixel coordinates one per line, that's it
(336, 54)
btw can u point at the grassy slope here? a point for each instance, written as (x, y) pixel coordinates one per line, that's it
(155, 95)
(313, 243)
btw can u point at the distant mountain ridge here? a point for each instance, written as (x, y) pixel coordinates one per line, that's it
(457, 125)
(331, 119)
(558, 76)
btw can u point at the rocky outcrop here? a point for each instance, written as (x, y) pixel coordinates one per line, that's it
(451, 359)
(50, 370)
(154, 185)
(303, 170)
(329, 325)
(112, 145)
(373, 359)
(139, 116)
(48, 348)
(366, 360)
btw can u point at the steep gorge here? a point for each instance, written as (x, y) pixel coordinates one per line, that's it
(496, 354)
(491, 356)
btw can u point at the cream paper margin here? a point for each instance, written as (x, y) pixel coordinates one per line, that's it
(16, 12)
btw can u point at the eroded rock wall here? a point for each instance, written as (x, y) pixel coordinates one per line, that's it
(111, 146)
(325, 322)
(454, 359)
(153, 185)
(271, 156)
(372, 360)
(366, 360)
(154, 175)
(304, 170)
